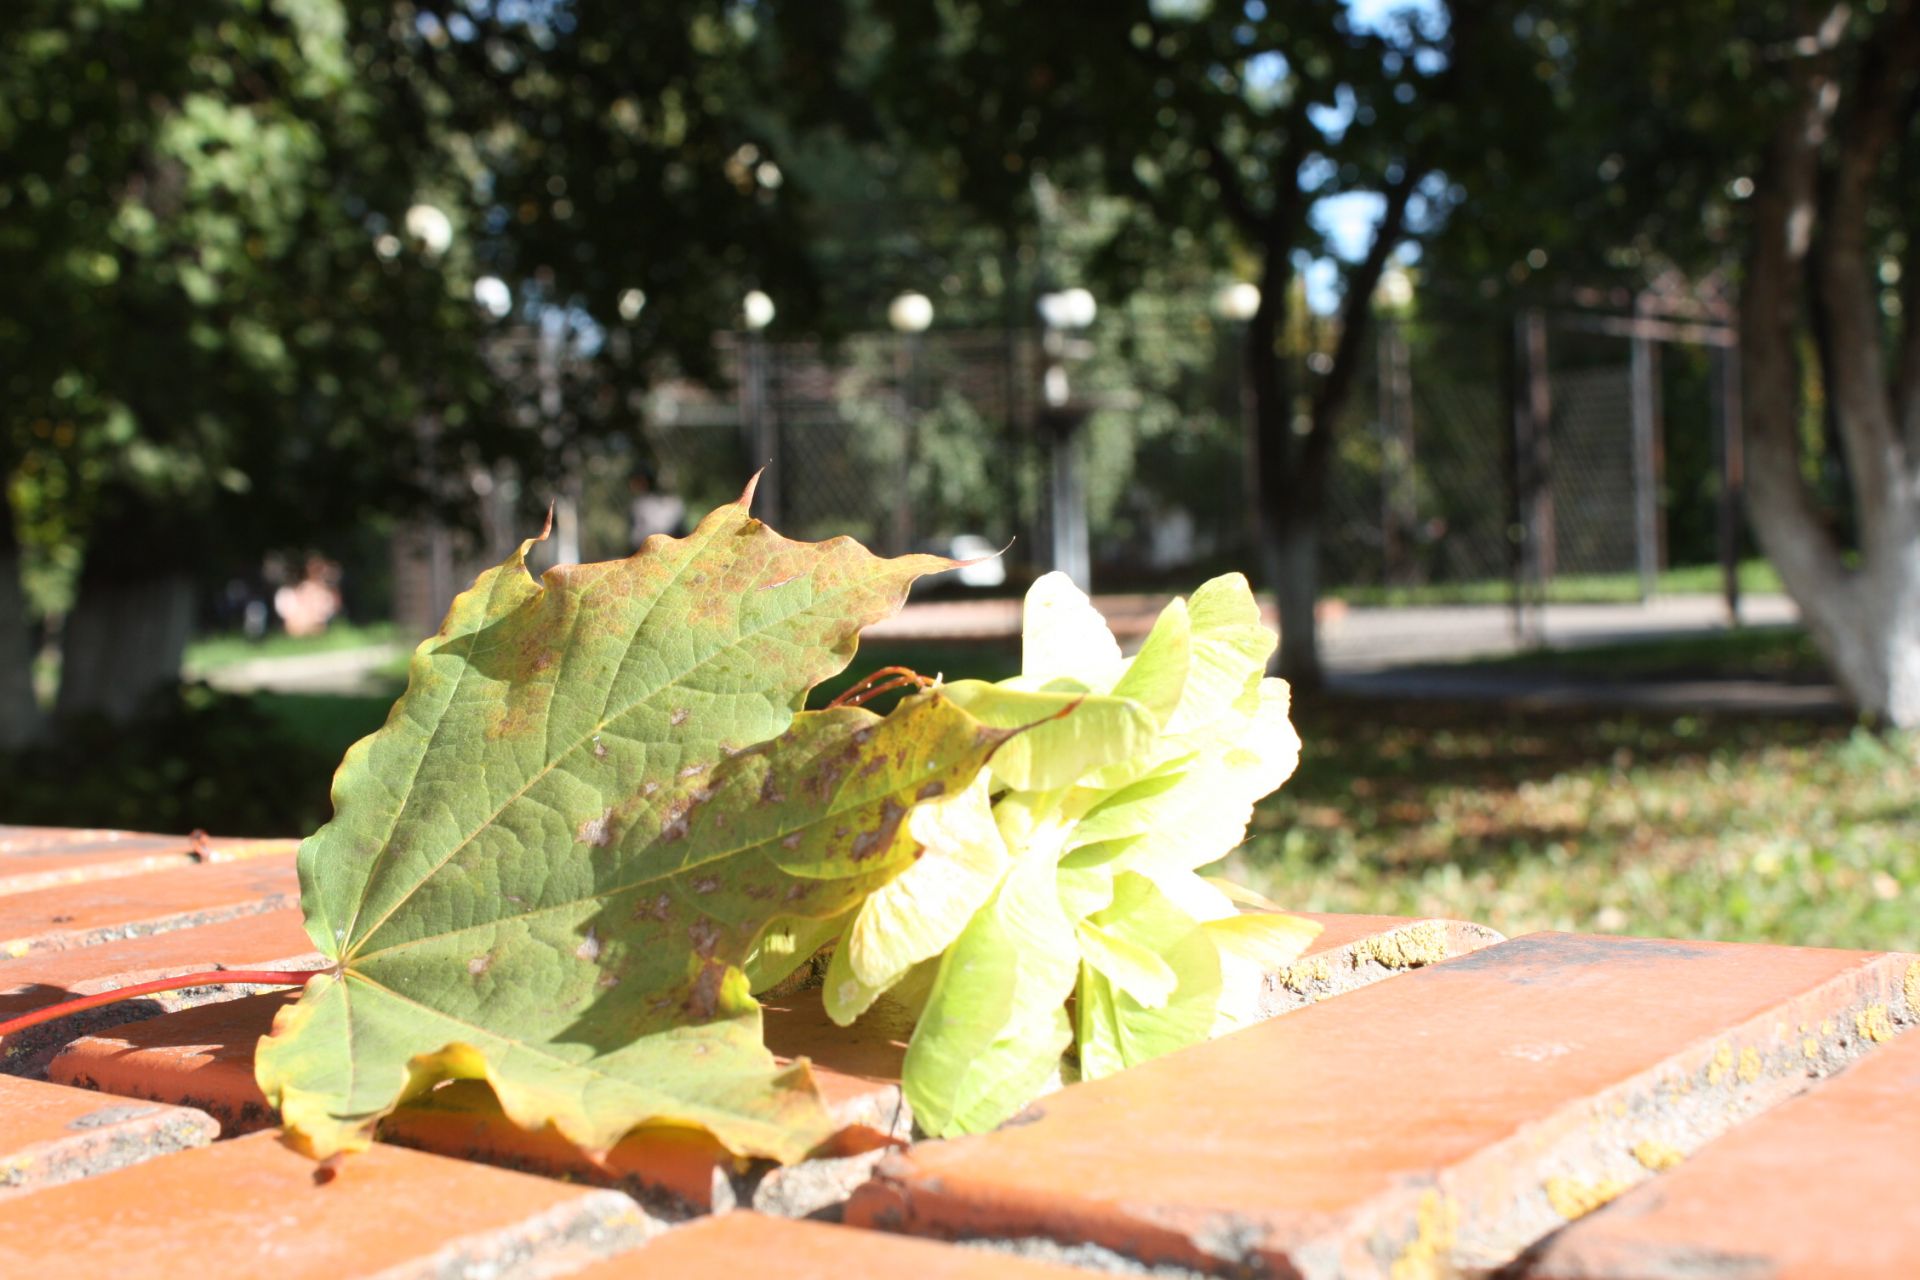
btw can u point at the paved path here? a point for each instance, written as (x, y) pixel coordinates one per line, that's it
(338, 671)
(1374, 639)
(1385, 652)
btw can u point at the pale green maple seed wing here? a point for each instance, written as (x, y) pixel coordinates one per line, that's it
(995, 1025)
(624, 1004)
(1068, 734)
(921, 911)
(1063, 636)
(1252, 945)
(1199, 815)
(1157, 674)
(1116, 1029)
(1230, 647)
(1129, 966)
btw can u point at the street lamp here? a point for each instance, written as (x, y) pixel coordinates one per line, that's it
(493, 296)
(1061, 417)
(1237, 301)
(758, 310)
(910, 314)
(432, 228)
(1068, 309)
(763, 431)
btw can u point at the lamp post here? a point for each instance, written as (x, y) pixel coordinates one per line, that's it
(1064, 314)
(763, 431)
(1236, 304)
(910, 315)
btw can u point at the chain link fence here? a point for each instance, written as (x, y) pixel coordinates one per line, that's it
(909, 441)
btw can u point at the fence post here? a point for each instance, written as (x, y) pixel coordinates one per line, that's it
(1532, 458)
(1642, 407)
(1729, 459)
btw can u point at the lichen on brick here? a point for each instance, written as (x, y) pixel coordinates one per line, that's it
(1408, 948)
(1721, 1066)
(1871, 1022)
(1437, 1223)
(1911, 988)
(1656, 1155)
(1304, 976)
(1573, 1198)
(1749, 1065)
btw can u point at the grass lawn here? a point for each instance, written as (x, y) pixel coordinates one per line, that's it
(1736, 827)
(1733, 827)
(212, 652)
(1756, 577)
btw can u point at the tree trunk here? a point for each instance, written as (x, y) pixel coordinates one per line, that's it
(1296, 593)
(19, 711)
(128, 631)
(1287, 496)
(1810, 247)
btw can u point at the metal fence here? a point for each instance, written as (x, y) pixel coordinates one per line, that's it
(1469, 453)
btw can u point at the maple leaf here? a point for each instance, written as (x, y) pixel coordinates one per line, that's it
(549, 867)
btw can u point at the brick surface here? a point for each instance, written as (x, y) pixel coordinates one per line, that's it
(1354, 951)
(1448, 1118)
(51, 1134)
(200, 1057)
(273, 940)
(1823, 1186)
(203, 1057)
(252, 1207)
(82, 915)
(43, 857)
(755, 1245)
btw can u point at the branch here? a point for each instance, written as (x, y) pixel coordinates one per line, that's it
(1356, 301)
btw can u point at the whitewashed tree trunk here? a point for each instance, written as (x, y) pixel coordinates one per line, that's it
(1811, 250)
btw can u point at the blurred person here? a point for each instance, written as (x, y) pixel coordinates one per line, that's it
(307, 606)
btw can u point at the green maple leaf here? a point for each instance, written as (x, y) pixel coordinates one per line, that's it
(550, 866)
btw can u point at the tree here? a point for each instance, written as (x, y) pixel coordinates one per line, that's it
(241, 244)
(1225, 127)
(1773, 143)
(1831, 205)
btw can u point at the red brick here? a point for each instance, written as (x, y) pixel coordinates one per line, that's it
(1442, 1119)
(43, 857)
(1353, 951)
(755, 1245)
(273, 940)
(84, 915)
(252, 1208)
(200, 1057)
(203, 1057)
(51, 1134)
(1823, 1186)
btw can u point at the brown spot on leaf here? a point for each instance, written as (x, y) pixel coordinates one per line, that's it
(705, 884)
(869, 843)
(599, 748)
(692, 771)
(932, 789)
(678, 718)
(770, 792)
(589, 948)
(704, 999)
(704, 935)
(596, 831)
(790, 841)
(480, 964)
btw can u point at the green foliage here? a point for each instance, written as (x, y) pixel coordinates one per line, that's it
(551, 865)
(1071, 871)
(1789, 829)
